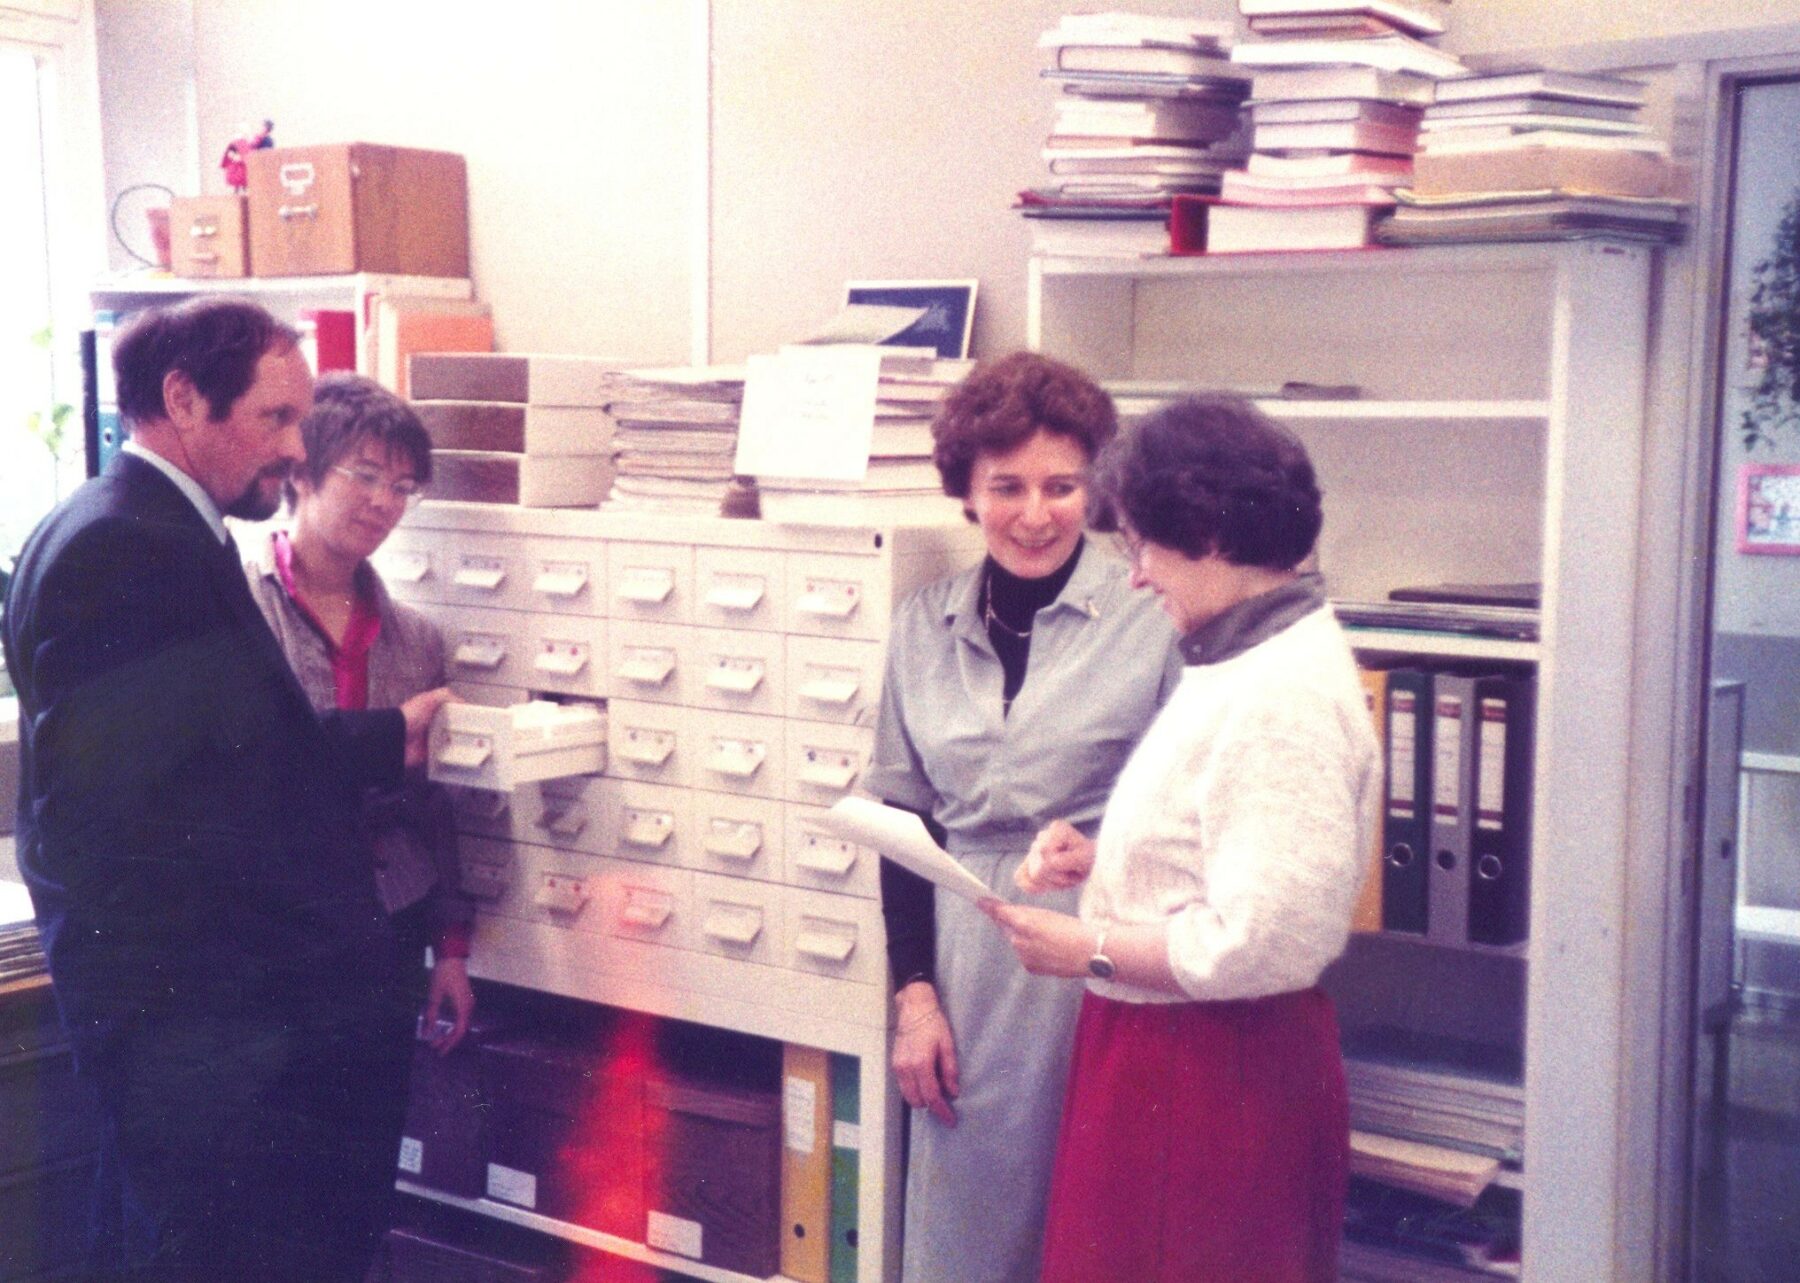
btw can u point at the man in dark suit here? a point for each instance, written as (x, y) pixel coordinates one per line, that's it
(188, 828)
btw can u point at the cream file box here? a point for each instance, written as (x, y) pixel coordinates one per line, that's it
(502, 748)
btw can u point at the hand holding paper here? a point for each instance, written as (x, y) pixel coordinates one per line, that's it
(901, 837)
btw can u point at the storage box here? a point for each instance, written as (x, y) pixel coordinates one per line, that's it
(415, 1256)
(501, 748)
(358, 207)
(713, 1188)
(209, 236)
(552, 481)
(443, 1145)
(565, 1134)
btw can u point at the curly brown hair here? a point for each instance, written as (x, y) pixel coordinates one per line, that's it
(1004, 403)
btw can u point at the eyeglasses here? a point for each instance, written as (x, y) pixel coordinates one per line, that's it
(373, 483)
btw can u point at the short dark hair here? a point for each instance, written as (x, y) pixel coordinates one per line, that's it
(1004, 403)
(215, 340)
(1211, 474)
(348, 409)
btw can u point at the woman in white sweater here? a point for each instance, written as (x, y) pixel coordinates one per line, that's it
(1205, 1134)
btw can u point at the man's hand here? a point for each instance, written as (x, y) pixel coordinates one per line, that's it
(418, 712)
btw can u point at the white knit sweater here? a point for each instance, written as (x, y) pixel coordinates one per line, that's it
(1243, 819)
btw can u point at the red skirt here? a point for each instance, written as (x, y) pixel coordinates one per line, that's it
(1201, 1141)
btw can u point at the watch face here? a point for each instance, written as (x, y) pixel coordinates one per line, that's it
(1100, 967)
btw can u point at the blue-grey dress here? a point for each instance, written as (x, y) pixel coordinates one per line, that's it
(1102, 658)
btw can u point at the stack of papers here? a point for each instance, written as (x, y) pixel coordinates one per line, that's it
(676, 434)
(1452, 1175)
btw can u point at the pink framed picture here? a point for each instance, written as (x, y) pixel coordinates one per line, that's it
(1769, 508)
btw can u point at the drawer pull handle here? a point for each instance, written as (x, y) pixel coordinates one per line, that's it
(738, 759)
(831, 685)
(407, 567)
(826, 945)
(647, 585)
(737, 924)
(733, 839)
(828, 770)
(480, 652)
(737, 593)
(561, 659)
(465, 755)
(290, 212)
(650, 910)
(828, 599)
(564, 821)
(736, 676)
(826, 855)
(483, 881)
(483, 576)
(647, 748)
(561, 893)
(561, 579)
(648, 829)
(204, 255)
(647, 667)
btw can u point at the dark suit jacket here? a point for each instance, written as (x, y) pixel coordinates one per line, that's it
(188, 825)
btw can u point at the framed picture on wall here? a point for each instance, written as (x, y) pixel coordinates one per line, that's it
(1769, 508)
(949, 311)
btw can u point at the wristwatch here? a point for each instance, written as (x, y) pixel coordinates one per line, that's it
(1100, 966)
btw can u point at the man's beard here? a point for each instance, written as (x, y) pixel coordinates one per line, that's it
(254, 504)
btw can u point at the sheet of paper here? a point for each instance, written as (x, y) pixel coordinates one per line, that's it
(809, 412)
(901, 837)
(866, 323)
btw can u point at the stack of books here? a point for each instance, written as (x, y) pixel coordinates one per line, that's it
(1453, 1094)
(1335, 108)
(1536, 154)
(902, 483)
(675, 440)
(1150, 108)
(527, 430)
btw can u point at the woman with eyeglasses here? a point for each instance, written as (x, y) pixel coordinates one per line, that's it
(353, 646)
(1014, 691)
(1206, 1130)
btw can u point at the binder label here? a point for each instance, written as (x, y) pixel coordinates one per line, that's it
(412, 1155)
(510, 1185)
(673, 1234)
(1490, 797)
(1446, 759)
(846, 1136)
(1402, 745)
(798, 1101)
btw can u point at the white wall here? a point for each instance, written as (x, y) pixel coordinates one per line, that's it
(146, 103)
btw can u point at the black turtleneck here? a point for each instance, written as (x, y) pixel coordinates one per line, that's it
(1013, 603)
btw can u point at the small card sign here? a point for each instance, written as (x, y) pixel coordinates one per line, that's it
(809, 413)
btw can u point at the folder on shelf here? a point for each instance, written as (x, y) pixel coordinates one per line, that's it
(1452, 806)
(1367, 914)
(846, 1164)
(1500, 883)
(1406, 822)
(806, 1164)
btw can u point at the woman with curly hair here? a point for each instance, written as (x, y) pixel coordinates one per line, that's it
(1205, 1133)
(1014, 691)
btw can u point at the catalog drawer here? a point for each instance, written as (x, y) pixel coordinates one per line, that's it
(834, 935)
(650, 661)
(737, 670)
(738, 588)
(738, 918)
(825, 760)
(833, 679)
(737, 752)
(820, 859)
(650, 581)
(737, 835)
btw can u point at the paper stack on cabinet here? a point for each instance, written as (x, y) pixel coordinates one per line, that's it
(1335, 107)
(517, 429)
(677, 433)
(807, 453)
(1536, 154)
(1150, 108)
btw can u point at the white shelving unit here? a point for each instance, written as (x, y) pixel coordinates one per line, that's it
(286, 296)
(1500, 440)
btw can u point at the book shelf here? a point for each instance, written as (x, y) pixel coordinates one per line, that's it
(1499, 440)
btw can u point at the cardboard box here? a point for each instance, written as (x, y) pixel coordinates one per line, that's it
(208, 236)
(358, 207)
(714, 1191)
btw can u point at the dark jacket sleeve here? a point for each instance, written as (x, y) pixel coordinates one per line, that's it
(909, 910)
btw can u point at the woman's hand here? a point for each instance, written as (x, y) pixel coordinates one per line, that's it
(925, 1052)
(1048, 943)
(1059, 858)
(451, 1000)
(418, 712)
